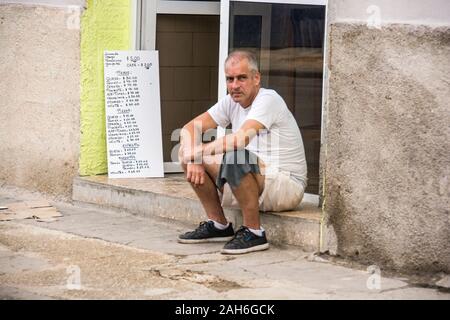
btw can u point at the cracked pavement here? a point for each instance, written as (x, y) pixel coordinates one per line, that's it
(93, 253)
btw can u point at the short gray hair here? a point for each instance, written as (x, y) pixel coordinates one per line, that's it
(240, 55)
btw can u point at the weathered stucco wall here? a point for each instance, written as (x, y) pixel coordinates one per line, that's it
(106, 25)
(430, 12)
(387, 167)
(39, 97)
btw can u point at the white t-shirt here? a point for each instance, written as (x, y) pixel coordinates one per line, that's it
(280, 145)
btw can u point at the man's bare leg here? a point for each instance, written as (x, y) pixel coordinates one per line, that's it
(207, 193)
(247, 194)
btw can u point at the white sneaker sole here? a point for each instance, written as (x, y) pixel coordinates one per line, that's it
(261, 247)
(222, 239)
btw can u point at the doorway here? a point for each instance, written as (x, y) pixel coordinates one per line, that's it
(193, 37)
(186, 34)
(188, 48)
(288, 41)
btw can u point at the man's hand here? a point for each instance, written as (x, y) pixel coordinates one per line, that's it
(195, 174)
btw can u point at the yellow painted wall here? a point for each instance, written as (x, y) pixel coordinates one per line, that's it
(106, 25)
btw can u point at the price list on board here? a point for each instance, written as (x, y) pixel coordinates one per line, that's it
(133, 125)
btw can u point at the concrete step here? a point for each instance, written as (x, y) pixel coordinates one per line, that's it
(172, 197)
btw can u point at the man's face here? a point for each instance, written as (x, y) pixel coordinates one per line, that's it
(242, 84)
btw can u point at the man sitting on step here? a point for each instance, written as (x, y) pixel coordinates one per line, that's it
(260, 166)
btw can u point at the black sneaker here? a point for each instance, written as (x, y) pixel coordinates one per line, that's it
(245, 241)
(207, 232)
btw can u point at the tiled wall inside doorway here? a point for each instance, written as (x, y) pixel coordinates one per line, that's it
(188, 48)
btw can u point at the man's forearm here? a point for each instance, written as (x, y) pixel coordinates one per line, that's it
(227, 143)
(190, 141)
(193, 149)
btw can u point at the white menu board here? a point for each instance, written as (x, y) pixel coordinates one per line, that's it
(133, 114)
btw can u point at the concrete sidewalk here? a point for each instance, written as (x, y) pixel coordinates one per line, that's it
(91, 253)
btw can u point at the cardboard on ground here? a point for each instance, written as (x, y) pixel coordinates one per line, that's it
(40, 210)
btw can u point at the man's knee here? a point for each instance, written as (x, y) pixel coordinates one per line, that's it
(236, 165)
(240, 157)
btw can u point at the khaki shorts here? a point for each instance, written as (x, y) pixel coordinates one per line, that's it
(281, 193)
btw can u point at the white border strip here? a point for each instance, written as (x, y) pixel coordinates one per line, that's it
(310, 2)
(223, 53)
(188, 7)
(135, 22)
(223, 46)
(148, 27)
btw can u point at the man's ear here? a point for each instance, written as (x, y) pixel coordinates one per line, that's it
(257, 78)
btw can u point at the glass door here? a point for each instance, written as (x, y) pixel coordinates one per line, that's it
(186, 35)
(287, 37)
